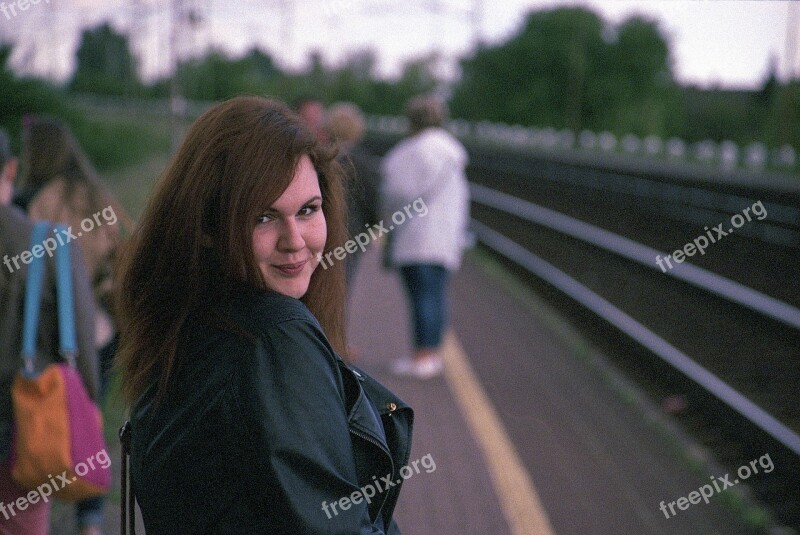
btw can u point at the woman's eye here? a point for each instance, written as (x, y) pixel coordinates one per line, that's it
(265, 218)
(308, 210)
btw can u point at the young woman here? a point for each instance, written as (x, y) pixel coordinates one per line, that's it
(244, 418)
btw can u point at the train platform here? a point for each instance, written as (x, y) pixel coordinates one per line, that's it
(529, 431)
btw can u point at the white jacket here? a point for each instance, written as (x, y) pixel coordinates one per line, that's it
(428, 166)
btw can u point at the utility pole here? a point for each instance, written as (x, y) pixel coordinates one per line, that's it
(477, 22)
(786, 133)
(52, 36)
(187, 20)
(135, 36)
(177, 103)
(287, 26)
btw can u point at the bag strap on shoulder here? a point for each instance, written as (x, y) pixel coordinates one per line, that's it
(33, 300)
(66, 300)
(33, 297)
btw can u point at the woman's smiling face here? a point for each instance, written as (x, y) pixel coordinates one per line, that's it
(291, 234)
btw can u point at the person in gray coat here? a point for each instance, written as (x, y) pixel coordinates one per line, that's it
(15, 235)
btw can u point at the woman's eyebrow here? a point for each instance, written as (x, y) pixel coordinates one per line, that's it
(312, 199)
(309, 201)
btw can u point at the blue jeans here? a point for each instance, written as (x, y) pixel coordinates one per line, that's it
(426, 285)
(90, 512)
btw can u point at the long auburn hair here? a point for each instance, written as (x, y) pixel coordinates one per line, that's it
(194, 241)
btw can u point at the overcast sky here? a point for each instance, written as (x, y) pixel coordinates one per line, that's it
(714, 42)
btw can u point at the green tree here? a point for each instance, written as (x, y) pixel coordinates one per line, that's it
(105, 64)
(353, 80)
(215, 76)
(538, 77)
(418, 77)
(639, 76)
(24, 96)
(567, 68)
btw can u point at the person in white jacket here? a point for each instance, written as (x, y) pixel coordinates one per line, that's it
(427, 169)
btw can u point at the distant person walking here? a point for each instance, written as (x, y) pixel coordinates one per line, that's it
(429, 164)
(61, 185)
(15, 236)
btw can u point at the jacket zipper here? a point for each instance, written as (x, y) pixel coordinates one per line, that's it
(371, 440)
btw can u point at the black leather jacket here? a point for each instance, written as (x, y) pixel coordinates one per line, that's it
(259, 431)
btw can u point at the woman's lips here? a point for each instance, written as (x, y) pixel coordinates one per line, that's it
(291, 270)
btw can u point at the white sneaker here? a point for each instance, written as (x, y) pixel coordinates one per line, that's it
(420, 369)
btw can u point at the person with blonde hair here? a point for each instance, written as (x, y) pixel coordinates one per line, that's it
(346, 127)
(244, 417)
(430, 165)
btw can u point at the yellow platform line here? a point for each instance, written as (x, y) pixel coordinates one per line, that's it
(518, 498)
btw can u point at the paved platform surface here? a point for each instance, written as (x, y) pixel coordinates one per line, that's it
(594, 462)
(597, 464)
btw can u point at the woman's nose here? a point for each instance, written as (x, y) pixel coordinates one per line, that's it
(291, 237)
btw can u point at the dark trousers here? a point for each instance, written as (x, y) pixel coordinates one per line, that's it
(426, 285)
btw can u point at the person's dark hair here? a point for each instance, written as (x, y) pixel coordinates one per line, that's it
(425, 111)
(50, 150)
(194, 244)
(58, 179)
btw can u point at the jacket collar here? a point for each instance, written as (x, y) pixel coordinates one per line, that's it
(365, 417)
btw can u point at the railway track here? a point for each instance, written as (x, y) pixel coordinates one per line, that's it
(718, 341)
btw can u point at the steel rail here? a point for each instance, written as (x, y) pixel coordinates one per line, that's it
(689, 204)
(646, 256)
(620, 182)
(641, 334)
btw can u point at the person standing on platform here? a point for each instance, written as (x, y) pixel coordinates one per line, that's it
(345, 125)
(428, 165)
